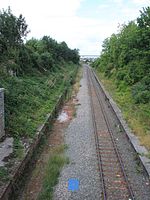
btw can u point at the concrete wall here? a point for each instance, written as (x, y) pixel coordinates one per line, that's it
(2, 133)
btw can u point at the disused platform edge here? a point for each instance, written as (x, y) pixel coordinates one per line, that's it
(9, 190)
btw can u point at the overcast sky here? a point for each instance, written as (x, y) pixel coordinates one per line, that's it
(82, 24)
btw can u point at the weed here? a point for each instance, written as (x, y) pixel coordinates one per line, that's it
(74, 114)
(148, 155)
(18, 148)
(77, 81)
(56, 161)
(66, 146)
(139, 169)
(118, 128)
(3, 174)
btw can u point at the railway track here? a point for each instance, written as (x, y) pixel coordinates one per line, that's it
(114, 181)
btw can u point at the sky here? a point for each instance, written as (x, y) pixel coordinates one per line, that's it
(82, 24)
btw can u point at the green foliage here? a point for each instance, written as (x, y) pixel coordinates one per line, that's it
(3, 175)
(12, 29)
(30, 97)
(141, 90)
(52, 172)
(144, 28)
(137, 115)
(46, 60)
(125, 56)
(17, 58)
(18, 148)
(12, 32)
(144, 20)
(33, 74)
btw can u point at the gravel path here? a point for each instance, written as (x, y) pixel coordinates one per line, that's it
(82, 154)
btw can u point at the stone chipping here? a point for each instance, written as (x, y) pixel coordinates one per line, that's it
(81, 152)
(83, 159)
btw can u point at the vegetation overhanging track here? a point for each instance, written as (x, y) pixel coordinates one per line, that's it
(115, 182)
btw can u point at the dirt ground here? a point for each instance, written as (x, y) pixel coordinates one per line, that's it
(56, 138)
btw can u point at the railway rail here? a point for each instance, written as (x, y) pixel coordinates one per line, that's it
(114, 181)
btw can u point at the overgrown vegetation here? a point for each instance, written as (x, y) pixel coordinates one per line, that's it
(34, 73)
(3, 174)
(30, 97)
(124, 65)
(56, 161)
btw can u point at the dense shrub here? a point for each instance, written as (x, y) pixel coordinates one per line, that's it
(126, 56)
(19, 57)
(141, 90)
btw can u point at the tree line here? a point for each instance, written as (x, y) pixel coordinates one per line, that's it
(125, 57)
(19, 57)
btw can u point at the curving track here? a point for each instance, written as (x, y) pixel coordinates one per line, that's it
(115, 183)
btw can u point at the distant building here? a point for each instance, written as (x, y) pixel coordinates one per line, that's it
(88, 58)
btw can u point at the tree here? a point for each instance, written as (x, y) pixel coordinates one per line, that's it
(144, 28)
(17, 57)
(126, 56)
(12, 30)
(144, 19)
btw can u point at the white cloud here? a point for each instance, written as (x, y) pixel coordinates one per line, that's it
(141, 2)
(59, 20)
(45, 7)
(131, 13)
(117, 1)
(48, 17)
(82, 33)
(103, 6)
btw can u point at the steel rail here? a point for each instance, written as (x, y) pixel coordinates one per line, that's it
(97, 141)
(114, 144)
(93, 79)
(116, 149)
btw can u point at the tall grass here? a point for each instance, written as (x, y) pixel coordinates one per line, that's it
(55, 163)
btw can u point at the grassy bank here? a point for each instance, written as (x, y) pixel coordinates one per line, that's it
(29, 98)
(55, 163)
(137, 115)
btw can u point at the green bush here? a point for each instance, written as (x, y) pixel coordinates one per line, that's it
(126, 57)
(141, 91)
(121, 74)
(29, 98)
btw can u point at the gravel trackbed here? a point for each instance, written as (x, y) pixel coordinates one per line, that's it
(81, 152)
